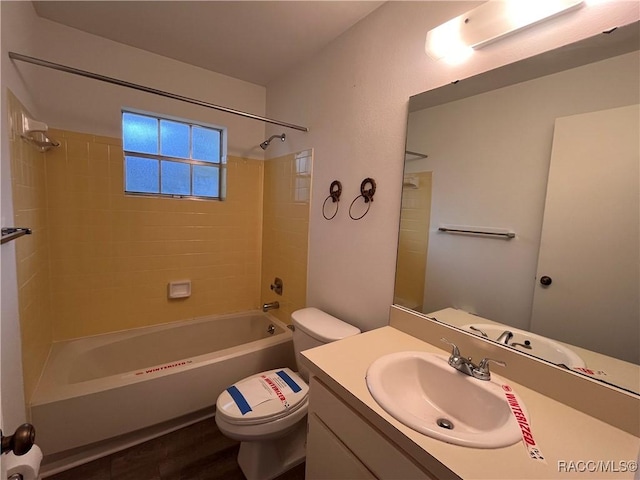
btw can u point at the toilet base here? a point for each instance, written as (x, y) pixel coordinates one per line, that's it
(266, 460)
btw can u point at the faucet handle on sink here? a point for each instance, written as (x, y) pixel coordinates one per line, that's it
(456, 360)
(482, 372)
(455, 351)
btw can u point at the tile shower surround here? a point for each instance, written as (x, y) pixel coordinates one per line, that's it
(100, 261)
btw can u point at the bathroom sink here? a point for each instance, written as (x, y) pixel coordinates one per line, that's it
(425, 393)
(539, 346)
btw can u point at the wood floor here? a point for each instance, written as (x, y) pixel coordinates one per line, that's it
(197, 452)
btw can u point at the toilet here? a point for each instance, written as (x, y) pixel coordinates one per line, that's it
(267, 412)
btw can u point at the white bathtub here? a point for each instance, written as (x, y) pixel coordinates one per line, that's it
(100, 387)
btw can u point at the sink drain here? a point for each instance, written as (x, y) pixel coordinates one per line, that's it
(444, 423)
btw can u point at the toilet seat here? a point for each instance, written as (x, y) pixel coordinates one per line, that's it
(263, 398)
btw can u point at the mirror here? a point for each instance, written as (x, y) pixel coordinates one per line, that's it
(521, 202)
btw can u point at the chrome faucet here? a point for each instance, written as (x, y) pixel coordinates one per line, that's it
(466, 366)
(505, 337)
(270, 306)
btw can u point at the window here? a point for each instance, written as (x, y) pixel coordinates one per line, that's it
(303, 176)
(174, 158)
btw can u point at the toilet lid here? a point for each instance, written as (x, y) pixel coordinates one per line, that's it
(263, 397)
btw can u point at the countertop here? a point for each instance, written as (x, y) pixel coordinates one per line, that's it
(575, 445)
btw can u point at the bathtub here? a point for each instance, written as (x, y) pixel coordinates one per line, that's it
(104, 386)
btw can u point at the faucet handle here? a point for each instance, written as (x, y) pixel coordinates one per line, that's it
(455, 351)
(482, 371)
(475, 329)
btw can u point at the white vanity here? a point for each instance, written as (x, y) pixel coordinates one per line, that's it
(352, 437)
(341, 444)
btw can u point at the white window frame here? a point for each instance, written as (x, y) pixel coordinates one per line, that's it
(222, 165)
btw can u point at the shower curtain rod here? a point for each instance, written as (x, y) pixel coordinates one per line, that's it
(142, 88)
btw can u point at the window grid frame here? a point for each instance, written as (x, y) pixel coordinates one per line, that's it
(221, 165)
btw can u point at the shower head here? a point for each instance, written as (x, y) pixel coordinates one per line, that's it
(266, 143)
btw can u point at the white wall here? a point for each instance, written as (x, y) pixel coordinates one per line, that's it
(353, 96)
(75, 103)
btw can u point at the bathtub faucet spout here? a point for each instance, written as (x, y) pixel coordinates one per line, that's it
(270, 306)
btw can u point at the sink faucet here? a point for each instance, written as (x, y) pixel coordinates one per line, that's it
(466, 366)
(270, 306)
(505, 337)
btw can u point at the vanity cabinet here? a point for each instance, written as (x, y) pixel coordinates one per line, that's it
(341, 444)
(331, 458)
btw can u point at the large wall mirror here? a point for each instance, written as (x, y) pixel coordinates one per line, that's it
(520, 215)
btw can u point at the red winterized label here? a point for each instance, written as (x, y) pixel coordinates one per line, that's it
(162, 367)
(523, 423)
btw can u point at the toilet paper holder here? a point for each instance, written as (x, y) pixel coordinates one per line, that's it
(20, 442)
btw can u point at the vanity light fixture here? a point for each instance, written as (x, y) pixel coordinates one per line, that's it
(491, 21)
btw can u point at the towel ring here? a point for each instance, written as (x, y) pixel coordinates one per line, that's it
(367, 194)
(335, 190)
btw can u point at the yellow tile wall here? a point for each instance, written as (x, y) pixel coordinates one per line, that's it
(112, 255)
(287, 188)
(413, 242)
(100, 261)
(28, 176)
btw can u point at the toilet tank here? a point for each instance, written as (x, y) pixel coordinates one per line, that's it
(313, 328)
